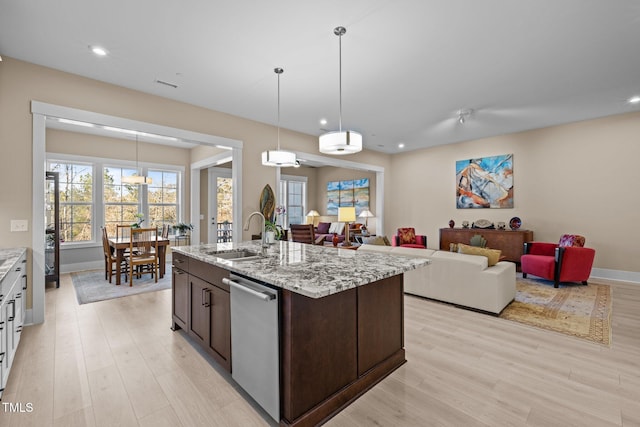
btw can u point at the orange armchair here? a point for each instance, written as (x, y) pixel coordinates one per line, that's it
(567, 261)
(407, 238)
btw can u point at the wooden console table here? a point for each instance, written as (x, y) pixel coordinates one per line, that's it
(510, 242)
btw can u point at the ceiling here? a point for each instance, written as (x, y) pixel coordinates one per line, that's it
(408, 66)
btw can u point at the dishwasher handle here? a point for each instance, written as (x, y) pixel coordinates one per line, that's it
(262, 295)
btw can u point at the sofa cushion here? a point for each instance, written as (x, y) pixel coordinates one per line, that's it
(493, 255)
(405, 251)
(336, 227)
(377, 240)
(323, 227)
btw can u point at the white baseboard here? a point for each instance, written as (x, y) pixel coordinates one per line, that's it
(82, 266)
(624, 276)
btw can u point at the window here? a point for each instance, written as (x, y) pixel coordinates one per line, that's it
(162, 197)
(76, 200)
(121, 201)
(92, 194)
(293, 196)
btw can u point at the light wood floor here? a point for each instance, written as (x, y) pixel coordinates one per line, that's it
(117, 363)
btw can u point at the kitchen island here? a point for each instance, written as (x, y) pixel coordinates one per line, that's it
(340, 316)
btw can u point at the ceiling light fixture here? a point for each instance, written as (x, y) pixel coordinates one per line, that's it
(463, 115)
(340, 142)
(137, 179)
(634, 99)
(278, 158)
(401, 145)
(99, 51)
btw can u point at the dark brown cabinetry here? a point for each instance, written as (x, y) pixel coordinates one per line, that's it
(201, 305)
(510, 242)
(336, 347)
(180, 287)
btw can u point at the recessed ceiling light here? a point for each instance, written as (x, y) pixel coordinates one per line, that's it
(401, 145)
(97, 50)
(634, 99)
(323, 122)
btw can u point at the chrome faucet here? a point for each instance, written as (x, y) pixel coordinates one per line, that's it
(246, 228)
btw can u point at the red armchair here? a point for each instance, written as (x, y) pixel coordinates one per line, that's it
(407, 238)
(567, 261)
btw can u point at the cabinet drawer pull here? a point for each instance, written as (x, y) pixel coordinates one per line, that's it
(19, 295)
(2, 360)
(1, 326)
(208, 304)
(179, 272)
(19, 329)
(202, 296)
(178, 261)
(24, 261)
(18, 268)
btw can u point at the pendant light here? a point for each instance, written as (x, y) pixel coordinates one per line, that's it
(137, 179)
(279, 158)
(340, 142)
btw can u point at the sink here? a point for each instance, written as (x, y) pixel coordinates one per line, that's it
(239, 255)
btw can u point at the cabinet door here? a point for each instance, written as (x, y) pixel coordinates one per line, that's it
(200, 300)
(180, 283)
(220, 338)
(4, 361)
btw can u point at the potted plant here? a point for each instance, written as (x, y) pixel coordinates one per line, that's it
(273, 231)
(182, 228)
(139, 220)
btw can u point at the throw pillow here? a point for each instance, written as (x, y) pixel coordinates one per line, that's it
(574, 240)
(376, 240)
(323, 227)
(336, 227)
(453, 247)
(407, 235)
(493, 255)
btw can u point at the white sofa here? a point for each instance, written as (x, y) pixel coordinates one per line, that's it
(455, 278)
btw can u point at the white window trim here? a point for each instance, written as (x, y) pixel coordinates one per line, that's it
(98, 164)
(298, 178)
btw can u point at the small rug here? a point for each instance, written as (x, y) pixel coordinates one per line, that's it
(90, 285)
(577, 310)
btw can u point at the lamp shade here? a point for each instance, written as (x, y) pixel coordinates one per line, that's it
(347, 214)
(340, 142)
(366, 214)
(313, 213)
(280, 158)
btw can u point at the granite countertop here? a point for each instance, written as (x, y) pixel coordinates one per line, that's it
(310, 270)
(8, 257)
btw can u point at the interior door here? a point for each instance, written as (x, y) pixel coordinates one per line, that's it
(221, 226)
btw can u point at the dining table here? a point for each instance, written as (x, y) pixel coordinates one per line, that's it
(121, 244)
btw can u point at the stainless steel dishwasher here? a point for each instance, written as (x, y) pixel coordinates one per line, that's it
(255, 344)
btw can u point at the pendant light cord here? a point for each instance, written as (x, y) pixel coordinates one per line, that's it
(340, 74)
(278, 71)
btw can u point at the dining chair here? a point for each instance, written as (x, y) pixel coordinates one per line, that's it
(143, 252)
(304, 233)
(165, 231)
(110, 260)
(123, 231)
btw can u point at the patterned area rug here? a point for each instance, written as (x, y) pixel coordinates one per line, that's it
(90, 285)
(577, 310)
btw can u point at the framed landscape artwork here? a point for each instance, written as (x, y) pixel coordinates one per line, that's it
(485, 182)
(353, 192)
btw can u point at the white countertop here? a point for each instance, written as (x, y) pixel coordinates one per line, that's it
(310, 270)
(8, 258)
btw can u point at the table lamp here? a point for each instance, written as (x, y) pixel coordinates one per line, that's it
(366, 214)
(313, 214)
(346, 215)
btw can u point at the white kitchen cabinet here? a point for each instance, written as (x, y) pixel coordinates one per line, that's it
(13, 287)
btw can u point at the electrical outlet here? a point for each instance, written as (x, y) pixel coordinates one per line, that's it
(19, 225)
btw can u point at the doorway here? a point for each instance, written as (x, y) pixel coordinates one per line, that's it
(220, 209)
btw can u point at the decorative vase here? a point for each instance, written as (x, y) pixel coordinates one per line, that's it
(335, 239)
(452, 223)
